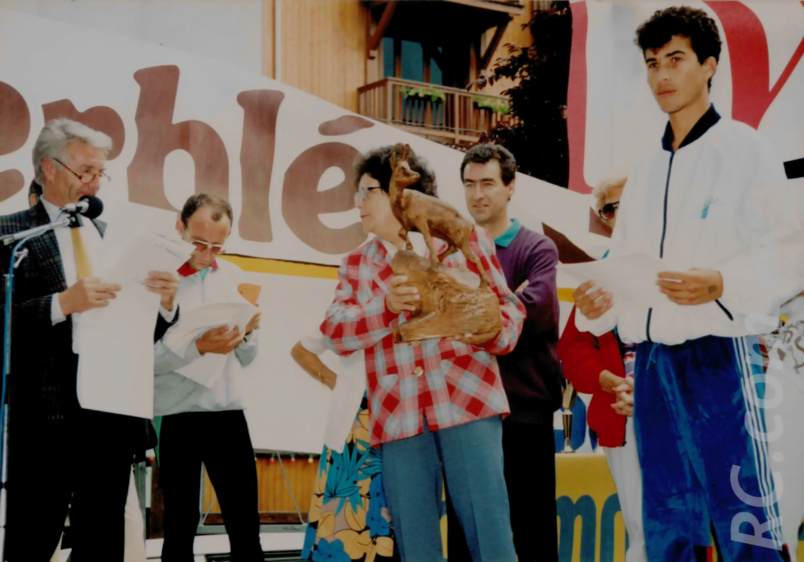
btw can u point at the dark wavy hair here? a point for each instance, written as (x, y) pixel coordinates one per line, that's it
(377, 164)
(685, 21)
(483, 153)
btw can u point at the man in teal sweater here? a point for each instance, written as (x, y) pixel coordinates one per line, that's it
(531, 373)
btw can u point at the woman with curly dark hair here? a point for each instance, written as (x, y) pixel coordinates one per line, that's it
(349, 514)
(436, 405)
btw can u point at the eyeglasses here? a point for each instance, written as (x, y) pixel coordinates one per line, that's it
(363, 193)
(608, 211)
(86, 177)
(201, 246)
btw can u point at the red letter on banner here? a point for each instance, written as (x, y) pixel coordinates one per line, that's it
(302, 202)
(260, 108)
(748, 51)
(576, 99)
(159, 136)
(15, 122)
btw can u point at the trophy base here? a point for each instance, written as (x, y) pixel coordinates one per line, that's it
(448, 308)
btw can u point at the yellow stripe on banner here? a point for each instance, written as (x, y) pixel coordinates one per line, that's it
(297, 269)
(280, 267)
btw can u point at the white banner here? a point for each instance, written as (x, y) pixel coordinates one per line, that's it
(183, 123)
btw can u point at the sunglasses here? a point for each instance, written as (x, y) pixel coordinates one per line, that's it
(608, 211)
(201, 246)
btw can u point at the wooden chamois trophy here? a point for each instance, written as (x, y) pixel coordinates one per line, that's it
(447, 308)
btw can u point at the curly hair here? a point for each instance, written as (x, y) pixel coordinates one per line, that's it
(685, 21)
(688, 22)
(377, 164)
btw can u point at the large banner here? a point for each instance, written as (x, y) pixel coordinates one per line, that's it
(283, 158)
(183, 123)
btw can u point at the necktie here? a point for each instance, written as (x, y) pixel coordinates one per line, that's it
(82, 266)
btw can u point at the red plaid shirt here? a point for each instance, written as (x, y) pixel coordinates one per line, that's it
(448, 382)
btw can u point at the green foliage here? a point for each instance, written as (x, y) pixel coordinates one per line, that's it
(497, 105)
(537, 131)
(423, 92)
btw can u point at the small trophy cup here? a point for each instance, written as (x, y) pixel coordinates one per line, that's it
(567, 401)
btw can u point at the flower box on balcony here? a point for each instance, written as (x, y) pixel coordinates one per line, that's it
(433, 94)
(496, 105)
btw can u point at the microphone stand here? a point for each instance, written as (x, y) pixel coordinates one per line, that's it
(66, 218)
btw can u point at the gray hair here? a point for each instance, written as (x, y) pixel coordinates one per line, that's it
(605, 187)
(57, 134)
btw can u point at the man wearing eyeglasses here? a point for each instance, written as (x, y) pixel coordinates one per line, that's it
(530, 373)
(52, 439)
(712, 201)
(205, 423)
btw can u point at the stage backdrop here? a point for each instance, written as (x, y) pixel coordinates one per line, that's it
(182, 123)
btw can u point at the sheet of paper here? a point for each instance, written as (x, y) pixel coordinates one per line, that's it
(346, 397)
(147, 252)
(208, 369)
(631, 278)
(115, 343)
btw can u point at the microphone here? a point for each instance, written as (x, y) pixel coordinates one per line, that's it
(89, 206)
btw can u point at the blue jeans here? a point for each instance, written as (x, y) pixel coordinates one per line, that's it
(472, 461)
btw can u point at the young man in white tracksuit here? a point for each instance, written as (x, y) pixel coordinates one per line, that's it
(711, 201)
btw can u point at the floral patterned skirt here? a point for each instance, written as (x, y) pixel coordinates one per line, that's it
(349, 518)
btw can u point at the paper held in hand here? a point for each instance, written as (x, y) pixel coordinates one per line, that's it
(196, 321)
(631, 278)
(207, 369)
(114, 342)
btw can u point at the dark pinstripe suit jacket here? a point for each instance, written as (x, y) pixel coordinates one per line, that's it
(43, 370)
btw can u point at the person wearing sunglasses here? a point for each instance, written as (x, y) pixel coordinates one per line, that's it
(603, 366)
(596, 366)
(712, 201)
(608, 211)
(204, 422)
(428, 400)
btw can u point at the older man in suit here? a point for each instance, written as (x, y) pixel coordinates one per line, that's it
(61, 455)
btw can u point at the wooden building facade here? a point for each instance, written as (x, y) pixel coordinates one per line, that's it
(406, 63)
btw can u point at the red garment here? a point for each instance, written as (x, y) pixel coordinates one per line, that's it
(186, 269)
(447, 382)
(583, 357)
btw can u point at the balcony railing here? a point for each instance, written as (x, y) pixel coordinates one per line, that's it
(448, 115)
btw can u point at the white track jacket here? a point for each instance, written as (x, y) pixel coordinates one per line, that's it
(720, 202)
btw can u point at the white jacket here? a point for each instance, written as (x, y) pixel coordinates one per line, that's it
(720, 202)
